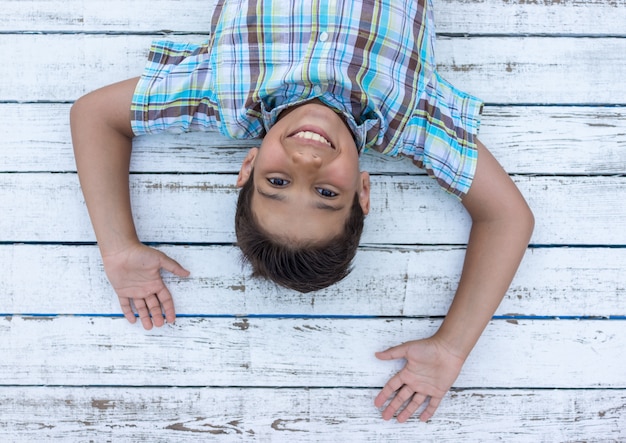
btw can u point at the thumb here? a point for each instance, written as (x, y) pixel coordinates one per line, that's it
(173, 266)
(393, 353)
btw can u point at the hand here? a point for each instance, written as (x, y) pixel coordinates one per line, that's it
(135, 274)
(429, 372)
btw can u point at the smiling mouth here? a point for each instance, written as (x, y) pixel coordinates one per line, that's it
(314, 136)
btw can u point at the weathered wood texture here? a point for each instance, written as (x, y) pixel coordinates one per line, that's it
(223, 351)
(547, 17)
(246, 361)
(304, 415)
(386, 281)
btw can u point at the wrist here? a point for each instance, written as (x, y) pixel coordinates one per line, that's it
(455, 344)
(112, 249)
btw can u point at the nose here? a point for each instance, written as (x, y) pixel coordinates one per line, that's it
(309, 160)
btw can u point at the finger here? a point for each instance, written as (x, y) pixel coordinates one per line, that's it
(144, 314)
(167, 305)
(127, 309)
(433, 404)
(388, 390)
(392, 353)
(416, 402)
(173, 266)
(154, 307)
(403, 395)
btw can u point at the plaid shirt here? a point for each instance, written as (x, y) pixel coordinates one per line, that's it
(371, 61)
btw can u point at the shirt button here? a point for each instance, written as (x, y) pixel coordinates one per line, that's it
(323, 36)
(317, 90)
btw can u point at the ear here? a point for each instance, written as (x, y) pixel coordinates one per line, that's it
(364, 192)
(246, 167)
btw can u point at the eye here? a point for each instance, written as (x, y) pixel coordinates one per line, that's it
(278, 182)
(326, 192)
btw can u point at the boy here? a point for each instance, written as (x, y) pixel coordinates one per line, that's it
(320, 81)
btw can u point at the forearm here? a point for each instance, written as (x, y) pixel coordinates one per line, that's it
(103, 173)
(493, 255)
(102, 142)
(502, 224)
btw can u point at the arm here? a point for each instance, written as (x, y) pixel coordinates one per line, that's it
(501, 227)
(102, 139)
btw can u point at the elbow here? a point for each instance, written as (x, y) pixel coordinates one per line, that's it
(74, 113)
(524, 219)
(80, 128)
(529, 222)
(80, 110)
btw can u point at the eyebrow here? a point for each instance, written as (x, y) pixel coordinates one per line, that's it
(319, 205)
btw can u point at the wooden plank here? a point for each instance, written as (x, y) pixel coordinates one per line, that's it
(385, 282)
(198, 209)
(296, 352)
(452, 16)
(535, 70)
(525, 139)
(305, 415)
(502, 70)
(549, 17)
(44, 62)
(138, 16)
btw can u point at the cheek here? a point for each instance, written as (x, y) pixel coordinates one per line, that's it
(346, 177)
(271, 155)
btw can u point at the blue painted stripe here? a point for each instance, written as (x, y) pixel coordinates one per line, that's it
(327, 316)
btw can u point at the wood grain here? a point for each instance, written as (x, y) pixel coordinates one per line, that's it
(307, 415)
(386, 281)
(297, 352)
(586, 17)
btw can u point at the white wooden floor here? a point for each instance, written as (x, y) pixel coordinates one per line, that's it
(248, 362)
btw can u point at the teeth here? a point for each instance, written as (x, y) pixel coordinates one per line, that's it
(312, 136)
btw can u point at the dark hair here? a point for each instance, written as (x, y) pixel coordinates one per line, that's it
(303, 267)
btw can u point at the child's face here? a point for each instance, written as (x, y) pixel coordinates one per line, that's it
(304, 186)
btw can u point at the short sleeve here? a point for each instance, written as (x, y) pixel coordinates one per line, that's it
(174, 93)
(440, 137)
